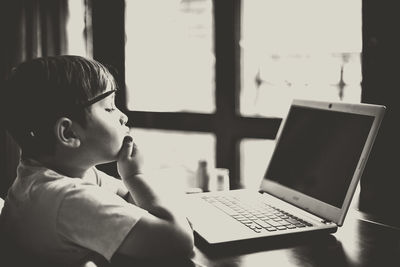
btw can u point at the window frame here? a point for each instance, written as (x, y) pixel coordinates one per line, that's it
(226, 123)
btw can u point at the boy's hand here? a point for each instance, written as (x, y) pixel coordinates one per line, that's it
(129, 161)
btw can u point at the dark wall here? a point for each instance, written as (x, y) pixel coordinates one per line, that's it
(108, 35)
(9, 47)
(380, 184)
(28, 29)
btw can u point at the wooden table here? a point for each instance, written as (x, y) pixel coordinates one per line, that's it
(358, 243)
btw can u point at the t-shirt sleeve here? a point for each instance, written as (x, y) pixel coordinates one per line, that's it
(94, 218)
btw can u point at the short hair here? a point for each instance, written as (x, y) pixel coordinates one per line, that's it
(42, 90)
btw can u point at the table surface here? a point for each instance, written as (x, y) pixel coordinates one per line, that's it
(359, 242)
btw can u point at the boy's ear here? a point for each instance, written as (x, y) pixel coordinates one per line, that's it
(65, 133)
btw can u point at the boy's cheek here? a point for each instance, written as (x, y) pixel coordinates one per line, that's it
(118, 145)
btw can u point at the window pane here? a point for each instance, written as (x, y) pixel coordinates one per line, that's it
(254, 158)
(175, 150)
(75, 28)
(307, 49)
(169, 55)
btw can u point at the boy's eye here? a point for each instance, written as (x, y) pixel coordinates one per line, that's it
(110, 109)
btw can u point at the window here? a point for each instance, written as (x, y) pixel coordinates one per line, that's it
(198, 70)
(177, 152)
(78, 26)
(169, 65)
(255, 154)
(169, 55)
(306, 49)
(299, 49)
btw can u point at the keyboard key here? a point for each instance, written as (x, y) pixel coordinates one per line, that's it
(292, 221)
(273, 223)
(262, 223)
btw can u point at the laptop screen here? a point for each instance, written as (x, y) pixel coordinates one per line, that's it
(318, 152)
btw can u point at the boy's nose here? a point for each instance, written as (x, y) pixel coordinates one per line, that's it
(123, 119)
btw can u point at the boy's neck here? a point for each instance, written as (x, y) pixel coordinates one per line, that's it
(67, 167)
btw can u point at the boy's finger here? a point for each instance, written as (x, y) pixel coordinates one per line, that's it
(127, 147)
(134, 149)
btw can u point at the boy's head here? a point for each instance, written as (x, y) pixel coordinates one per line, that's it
(40, 91)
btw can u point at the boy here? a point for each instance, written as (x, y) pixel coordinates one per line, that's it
(60, 208)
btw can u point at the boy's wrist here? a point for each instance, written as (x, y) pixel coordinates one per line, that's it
(133, 176)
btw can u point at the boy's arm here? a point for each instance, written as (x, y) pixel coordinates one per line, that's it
(164, 231)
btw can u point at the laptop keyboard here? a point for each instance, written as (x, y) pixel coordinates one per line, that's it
(255, 214)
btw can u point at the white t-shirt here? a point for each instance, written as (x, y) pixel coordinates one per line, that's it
(65, 219)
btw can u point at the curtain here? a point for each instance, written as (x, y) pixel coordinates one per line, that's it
(29, 29)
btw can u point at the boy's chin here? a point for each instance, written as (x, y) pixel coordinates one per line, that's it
(111, 158)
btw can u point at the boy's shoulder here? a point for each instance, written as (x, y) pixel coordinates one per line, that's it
(38, 187)
(34, 182)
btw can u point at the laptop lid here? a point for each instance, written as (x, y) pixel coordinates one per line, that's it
(320, 154)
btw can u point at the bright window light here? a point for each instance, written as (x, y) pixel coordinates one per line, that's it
(169, 55)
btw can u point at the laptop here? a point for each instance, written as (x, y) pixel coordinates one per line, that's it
(320, 153)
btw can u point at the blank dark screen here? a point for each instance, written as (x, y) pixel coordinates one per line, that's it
(318, 152)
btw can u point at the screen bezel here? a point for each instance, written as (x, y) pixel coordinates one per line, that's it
(313, 205)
